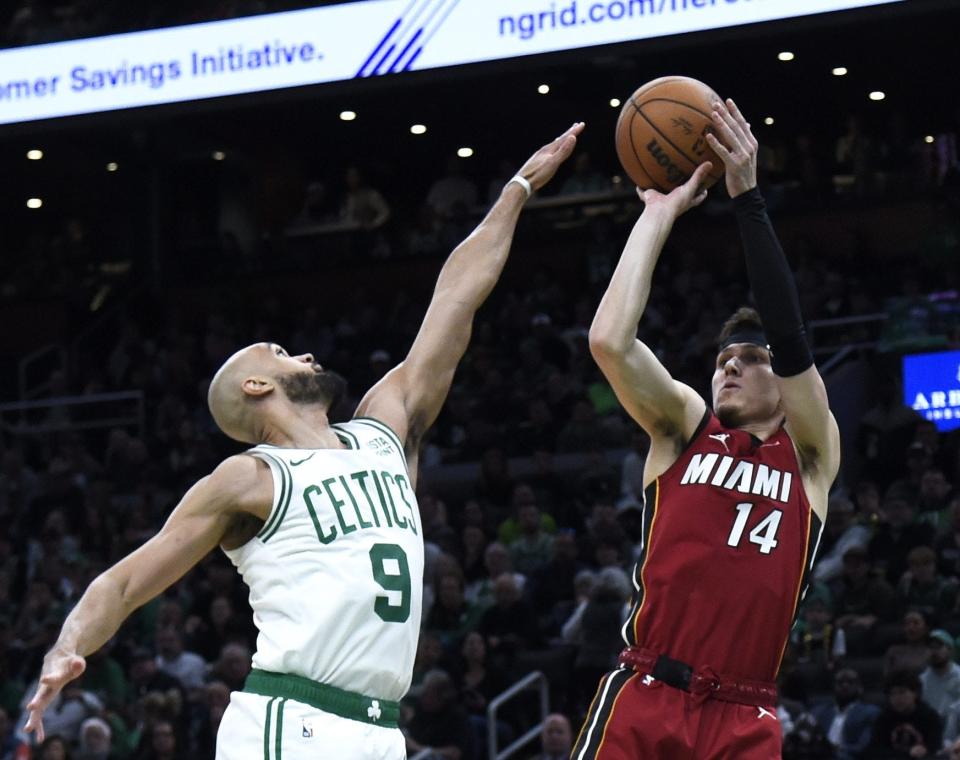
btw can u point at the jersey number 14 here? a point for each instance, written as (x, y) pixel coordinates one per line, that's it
(764, 535)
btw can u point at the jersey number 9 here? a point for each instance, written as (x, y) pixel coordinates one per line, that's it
(392, 572)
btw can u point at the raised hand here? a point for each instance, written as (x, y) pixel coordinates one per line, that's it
(740, 158)
(59, 669)
(542, 165)
(681, 199)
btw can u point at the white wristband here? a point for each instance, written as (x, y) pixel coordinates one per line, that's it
(524, 183)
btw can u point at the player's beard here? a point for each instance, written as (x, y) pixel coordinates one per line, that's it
(313, 387)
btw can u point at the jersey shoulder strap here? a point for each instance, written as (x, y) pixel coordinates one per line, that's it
(276, 459)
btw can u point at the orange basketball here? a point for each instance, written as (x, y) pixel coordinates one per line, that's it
(661, 133)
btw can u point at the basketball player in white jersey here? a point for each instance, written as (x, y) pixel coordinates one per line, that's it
(321, 521)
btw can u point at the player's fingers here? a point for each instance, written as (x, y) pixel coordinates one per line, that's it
(556, 153)
(742, 121)
(35, 724)
(40, 700)
(574, 130)
(55, 680)
(719, 148)
(567, 145)
(731, 120)
(737, 115)
(694, 186)
(735, 127)
(701, 172)
(729, 129)
(44, 694)
(724, 131)
(567, 141)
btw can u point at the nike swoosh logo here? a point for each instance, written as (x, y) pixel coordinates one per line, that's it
(294, 464)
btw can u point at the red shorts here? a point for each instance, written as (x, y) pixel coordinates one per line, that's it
(635, 718)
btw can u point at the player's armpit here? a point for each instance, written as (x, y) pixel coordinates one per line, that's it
(810, 423)
(408, 406)
(408, 399)
(385, 401)
(663, 407)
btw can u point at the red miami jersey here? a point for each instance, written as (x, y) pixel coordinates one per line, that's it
(728, 540)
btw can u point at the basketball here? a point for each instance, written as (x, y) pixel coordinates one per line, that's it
(661, 133)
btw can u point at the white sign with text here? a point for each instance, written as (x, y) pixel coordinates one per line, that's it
(335, 43)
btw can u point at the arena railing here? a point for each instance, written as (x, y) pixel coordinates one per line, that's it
(535, 678)
(73, 413)
(871, 322)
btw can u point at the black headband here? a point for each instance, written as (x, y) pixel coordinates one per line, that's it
(747, 335)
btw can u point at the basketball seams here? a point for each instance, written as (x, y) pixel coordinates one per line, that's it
(654, 127)
(669, 142)
(670, 100)
(639, 157)
(656, 84)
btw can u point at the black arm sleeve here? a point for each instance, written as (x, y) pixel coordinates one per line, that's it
(773, 287)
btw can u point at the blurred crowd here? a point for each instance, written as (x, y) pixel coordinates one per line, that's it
(273, 215)
(862, 161)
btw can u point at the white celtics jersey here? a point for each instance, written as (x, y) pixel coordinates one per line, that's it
(336, 573)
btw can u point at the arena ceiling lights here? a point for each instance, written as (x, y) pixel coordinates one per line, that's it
(340, 42)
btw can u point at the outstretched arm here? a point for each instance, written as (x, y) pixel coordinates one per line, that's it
(666, 409)
(809, 421)
(198, 524)
(409, 397)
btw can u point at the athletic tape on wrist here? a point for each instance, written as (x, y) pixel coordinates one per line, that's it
(524, 183)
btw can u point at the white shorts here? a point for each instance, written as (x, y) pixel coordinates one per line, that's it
(255, 727)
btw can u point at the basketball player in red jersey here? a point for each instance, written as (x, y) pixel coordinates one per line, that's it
(736, 496)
